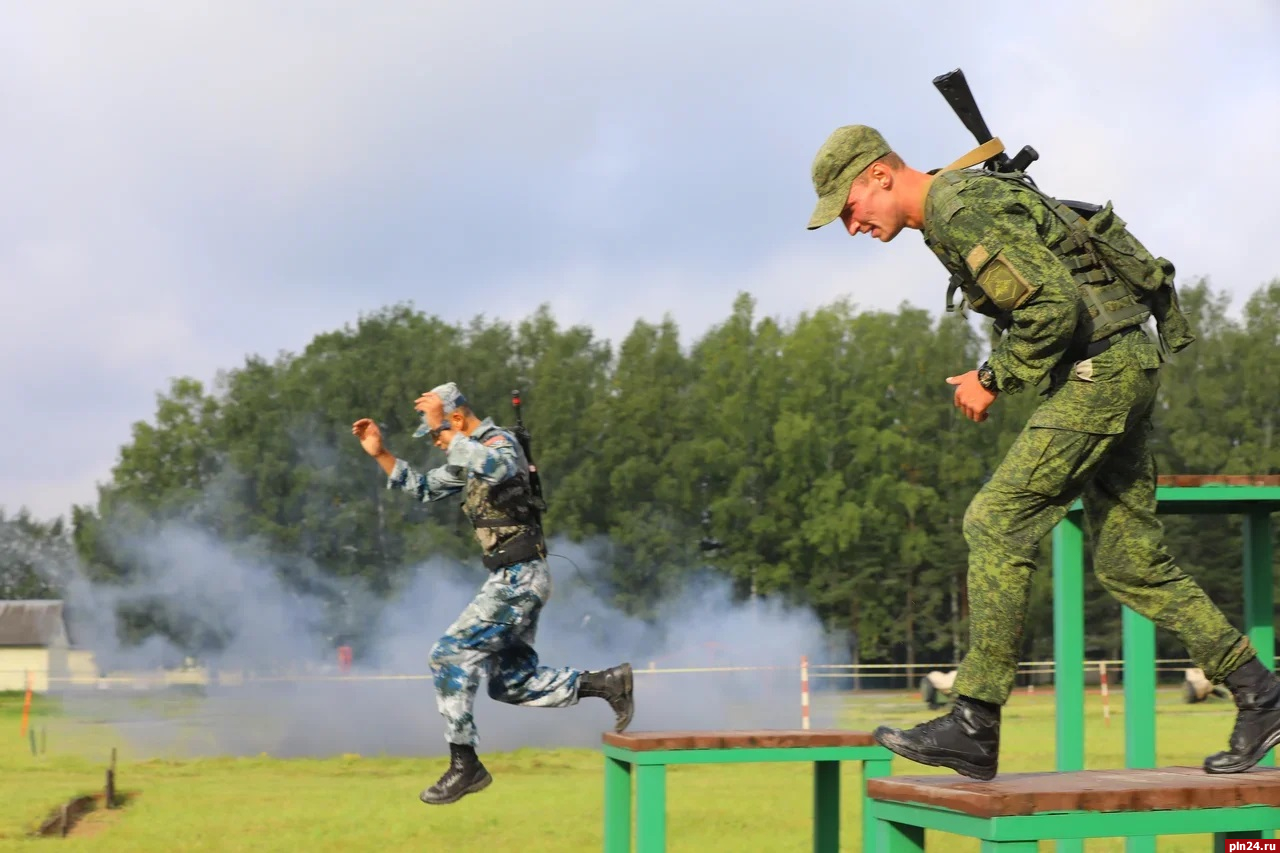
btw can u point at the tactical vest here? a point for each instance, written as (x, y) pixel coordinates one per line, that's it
(1108, 304)
(507, 517)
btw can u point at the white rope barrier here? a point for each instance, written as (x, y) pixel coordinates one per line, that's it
(806, 670)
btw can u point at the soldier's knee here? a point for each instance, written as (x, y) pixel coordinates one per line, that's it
(1110, 571)
(1120, 569)
(980, 518)
(443, 653)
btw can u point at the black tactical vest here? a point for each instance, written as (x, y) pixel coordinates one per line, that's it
(506, 516)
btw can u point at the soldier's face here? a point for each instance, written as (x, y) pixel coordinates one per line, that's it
(439, 429)
(441, 437)
(872, 207)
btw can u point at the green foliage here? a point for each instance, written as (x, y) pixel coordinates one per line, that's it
(824, 453)
(33, 556)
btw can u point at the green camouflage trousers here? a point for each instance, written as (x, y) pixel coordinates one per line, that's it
(1089, 440)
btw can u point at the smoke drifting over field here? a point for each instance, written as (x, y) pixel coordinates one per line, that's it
(294, 702)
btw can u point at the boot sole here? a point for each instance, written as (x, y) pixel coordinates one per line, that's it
(1247, 762)
(627, 694)
(473, 788)
(964, 768)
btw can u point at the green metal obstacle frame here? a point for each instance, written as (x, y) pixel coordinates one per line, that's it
(647, 755)
(1015, 811)
(1139, 802)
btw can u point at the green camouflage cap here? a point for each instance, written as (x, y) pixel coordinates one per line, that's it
(847, 151)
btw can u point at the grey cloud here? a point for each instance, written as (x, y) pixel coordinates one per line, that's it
(185, 189)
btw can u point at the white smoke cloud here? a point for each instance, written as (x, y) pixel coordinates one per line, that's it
(293, 702)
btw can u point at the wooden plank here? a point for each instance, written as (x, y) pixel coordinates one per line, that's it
(1191, 480)
(1085, 790)
(759, 739)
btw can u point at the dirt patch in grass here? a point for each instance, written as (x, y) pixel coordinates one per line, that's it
(86, 815)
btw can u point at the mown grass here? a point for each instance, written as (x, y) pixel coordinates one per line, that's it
(541, 800)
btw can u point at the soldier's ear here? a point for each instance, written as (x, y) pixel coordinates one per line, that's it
(457, 418)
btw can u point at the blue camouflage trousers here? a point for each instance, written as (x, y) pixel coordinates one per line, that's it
(494, 636)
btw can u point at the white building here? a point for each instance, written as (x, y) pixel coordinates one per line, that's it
(34, 644)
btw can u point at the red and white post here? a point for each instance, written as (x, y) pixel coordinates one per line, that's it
(1106, 703)
(804, 692)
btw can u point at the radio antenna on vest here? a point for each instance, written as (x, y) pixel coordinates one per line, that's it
(522, 436)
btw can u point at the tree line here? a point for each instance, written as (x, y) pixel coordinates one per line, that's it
(818, 459)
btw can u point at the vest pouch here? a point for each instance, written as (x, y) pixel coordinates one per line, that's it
(1149, 278)
(515, 499)
(1171, 323)
(521, 548)
(1126, 257)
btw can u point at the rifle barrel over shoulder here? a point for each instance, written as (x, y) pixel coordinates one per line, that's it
(955, 89)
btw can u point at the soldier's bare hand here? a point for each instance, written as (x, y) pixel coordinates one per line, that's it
(431, 405)
(971, 398)
(369, 434)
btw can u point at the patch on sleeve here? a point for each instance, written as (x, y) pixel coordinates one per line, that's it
(977, 258)
(1003, 283)
(494, 441)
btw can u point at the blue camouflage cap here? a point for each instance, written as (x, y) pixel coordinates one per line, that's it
(450, 396)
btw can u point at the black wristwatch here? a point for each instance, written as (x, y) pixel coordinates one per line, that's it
(987, 378)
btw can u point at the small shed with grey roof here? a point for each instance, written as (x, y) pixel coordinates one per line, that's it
(34, 644)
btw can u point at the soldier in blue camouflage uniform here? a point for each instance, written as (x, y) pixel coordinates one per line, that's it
(1067, 313)
(494, 635)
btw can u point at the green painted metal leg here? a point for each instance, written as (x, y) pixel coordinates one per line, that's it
(871, 769)
(1139, 704)
(898, 837)
(617, 806)
(651, 808)
(1011, 846)
(1139, 689)
(1258, 596)
(826, 807)
(1068, 652)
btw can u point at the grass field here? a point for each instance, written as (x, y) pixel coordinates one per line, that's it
(541, 800)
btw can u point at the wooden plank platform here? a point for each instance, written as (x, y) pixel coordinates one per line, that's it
(759, 739)
(1084, 790)
(1191, 480)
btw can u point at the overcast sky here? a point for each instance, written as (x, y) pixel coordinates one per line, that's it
(185, 183)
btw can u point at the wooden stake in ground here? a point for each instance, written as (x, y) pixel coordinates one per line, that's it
(111, 781)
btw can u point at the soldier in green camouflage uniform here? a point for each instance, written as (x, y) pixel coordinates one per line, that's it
(494, 634)
(1020, 258)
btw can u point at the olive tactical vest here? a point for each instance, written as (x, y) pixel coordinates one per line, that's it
(1108, 304)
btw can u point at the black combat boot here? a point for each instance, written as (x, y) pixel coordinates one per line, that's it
(1257, 694)
(966, 740)
(465, 775)
(614, 686)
